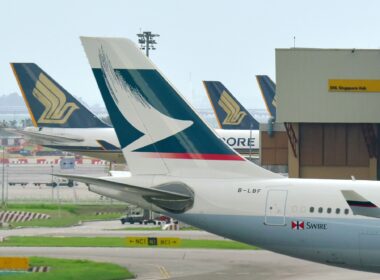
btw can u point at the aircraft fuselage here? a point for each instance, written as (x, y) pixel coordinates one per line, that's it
(303, 218)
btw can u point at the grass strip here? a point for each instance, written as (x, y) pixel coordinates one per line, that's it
(37, 241)
(66, 269)
(137, 228)
(67, 214)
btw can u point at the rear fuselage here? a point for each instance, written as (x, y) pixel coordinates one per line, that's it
(304, 218)
(308, 219)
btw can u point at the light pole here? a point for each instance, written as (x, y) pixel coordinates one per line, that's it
(7, 185)
(2, 181)
(147, 41)
(52, 183)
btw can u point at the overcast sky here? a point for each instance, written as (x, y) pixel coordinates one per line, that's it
(226, 40)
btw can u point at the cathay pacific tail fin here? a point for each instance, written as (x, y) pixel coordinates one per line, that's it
(49, 104)
(229, 113)
(159, 132)
(268, 91)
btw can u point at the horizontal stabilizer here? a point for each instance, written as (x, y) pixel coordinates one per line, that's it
(43, 138)
(172, 197)
(359, 205)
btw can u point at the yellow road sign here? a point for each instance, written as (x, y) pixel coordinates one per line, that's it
(354, 85)
(141, 241)
(14, 263)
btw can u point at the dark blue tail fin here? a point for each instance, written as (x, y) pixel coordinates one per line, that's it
(268, 90)
(229, 113)
(49, 104)
(159, 132)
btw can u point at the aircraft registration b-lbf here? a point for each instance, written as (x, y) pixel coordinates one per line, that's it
(181, 168)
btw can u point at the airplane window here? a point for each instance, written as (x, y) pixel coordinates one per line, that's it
(320, 209)
(311, 209)
(337, 210)
(346, 211)
(329, 210)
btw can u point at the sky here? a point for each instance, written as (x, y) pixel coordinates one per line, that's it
(225, 40)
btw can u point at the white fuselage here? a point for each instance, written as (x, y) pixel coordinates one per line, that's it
(264, 212)
(99, 143)
(244, 142)
(92, 140)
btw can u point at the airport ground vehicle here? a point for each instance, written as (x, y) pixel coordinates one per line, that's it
(137, 218)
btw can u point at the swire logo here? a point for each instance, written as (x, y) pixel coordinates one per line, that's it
(298, 225)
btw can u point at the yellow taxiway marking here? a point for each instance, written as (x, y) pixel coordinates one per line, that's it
(165, 274)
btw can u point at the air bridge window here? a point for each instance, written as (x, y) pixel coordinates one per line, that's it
(311, 209)
(337, 210)
(320, 210)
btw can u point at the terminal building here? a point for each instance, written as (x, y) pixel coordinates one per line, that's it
(329, 103)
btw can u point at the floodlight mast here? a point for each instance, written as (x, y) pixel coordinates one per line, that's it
(147, 41)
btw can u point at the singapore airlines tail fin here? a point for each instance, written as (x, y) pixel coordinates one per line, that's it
(159, 132)
(268, 91)
(229, 113)
(49, 104)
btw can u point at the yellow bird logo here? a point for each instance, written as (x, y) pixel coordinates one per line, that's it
(57, 110)
(274, 101)
(232, 109)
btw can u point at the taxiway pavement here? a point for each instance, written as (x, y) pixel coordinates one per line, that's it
(199, 264)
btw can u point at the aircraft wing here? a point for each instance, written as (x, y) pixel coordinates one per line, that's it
(359, 205)
(43, 137)
(173, 197)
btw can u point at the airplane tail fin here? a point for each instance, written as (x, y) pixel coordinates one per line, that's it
(229, 113)
(49, 104)
(159, 132)
(268, 91)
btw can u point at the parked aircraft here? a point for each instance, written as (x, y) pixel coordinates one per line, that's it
(181, 168)
(62, 122)
(268, 91)
(229, 113)
(233, 119)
